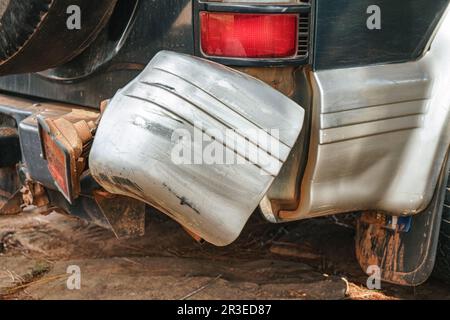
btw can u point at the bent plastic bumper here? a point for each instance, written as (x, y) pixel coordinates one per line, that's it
(197, 140)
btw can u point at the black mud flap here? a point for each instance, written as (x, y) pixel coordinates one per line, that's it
(405, 258)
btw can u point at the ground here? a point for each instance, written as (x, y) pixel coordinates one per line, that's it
(311, 259)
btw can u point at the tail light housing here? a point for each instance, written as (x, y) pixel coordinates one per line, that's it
(66, 141)
(250, 34)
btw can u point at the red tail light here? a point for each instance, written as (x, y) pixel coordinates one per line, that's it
(241, 35)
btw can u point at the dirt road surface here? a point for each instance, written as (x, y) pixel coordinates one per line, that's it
(305, 260)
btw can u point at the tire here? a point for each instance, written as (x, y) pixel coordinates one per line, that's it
(19, 19)
(35, 35)
(442, 267)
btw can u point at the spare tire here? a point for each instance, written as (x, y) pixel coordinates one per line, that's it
(34, 35)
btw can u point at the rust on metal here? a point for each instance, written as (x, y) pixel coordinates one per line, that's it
(279, 78)
(30, 195)
(67, 140)
(33, 194)
(379, 246)
(104, 105)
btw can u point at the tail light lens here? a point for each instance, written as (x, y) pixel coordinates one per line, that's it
(57, 163)
(242, 35)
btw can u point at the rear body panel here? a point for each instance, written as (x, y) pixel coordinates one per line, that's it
(379, 135)
(342, 38)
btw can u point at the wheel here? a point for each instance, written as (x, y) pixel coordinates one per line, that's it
(442, 267)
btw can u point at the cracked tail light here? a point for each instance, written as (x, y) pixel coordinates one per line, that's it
(243, 35)
(59, 162)
(66, 141)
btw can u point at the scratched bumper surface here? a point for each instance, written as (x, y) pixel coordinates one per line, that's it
(133, 150)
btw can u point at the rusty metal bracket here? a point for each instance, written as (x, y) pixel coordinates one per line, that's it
(17, 197)
(33, 194)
